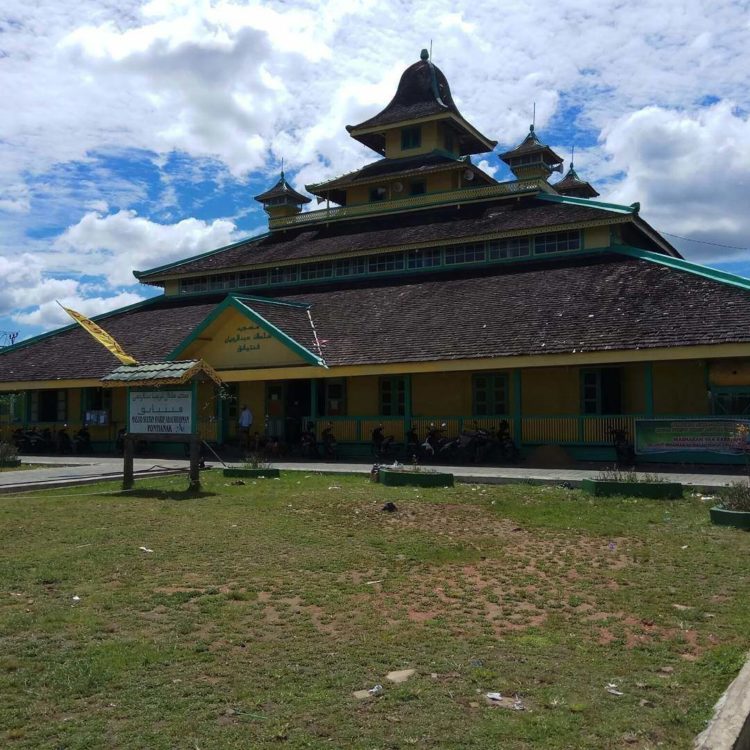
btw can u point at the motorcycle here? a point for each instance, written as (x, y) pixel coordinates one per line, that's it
(506, 446)
(309, 442)
(382, 446)
(624, 449)
(330, 446)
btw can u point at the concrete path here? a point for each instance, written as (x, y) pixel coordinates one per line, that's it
(71, 470)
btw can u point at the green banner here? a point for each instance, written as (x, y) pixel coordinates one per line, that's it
(677, 435)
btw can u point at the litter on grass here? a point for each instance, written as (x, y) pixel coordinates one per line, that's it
(145, 549)
(613, 690)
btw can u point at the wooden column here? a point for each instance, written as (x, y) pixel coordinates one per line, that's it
(127, 467)
(648, 374)
(516, 405)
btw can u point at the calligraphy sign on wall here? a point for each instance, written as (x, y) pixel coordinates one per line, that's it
(161, 412)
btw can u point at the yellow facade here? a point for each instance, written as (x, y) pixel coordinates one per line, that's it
(233, 341)
(681, 388)
(729, 372)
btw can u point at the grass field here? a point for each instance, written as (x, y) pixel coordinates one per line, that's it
(262, 607)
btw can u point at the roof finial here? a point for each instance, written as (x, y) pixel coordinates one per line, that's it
(424, 54)
(533, 119)
(572, 155)
(282, 169)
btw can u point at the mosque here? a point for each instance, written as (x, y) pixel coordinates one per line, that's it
(421, 290)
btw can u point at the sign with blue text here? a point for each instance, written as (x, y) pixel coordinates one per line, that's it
(161, 412)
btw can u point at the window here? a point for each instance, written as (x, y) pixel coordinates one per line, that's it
(490, 394)
(423, 258)
(731, 402)
(601, 391)
(97, 405)
(316, 271)
(48, 406)
(392, 397)
(335, 398)
(557, 242)
(252, 278)
(377, 194)
(471, 253)
(386, 262)
(411, 137)
(418, 188)
(515, 247)
(351, 266)
(283, 274)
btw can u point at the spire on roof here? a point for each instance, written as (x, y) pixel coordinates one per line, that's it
(282, 199)
(574, 186)
(532, 158)
(423, 93)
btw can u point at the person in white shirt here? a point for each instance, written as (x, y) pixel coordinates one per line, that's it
(245, 423)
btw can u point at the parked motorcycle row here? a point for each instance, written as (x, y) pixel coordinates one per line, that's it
(475, 446)
(46, 441)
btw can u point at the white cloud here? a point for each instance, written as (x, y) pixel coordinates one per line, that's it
(49, 315)
(248, 83)
(115, 245)
(689, 170)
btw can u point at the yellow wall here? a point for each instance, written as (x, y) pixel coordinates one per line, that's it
(441, 394)
(550, 390)
(634, 389)
(171, 287)
(680, 388)
(729, 372)
(362, 395)
(430, 141)
(437, 182)
(233, 339)
(596, 237)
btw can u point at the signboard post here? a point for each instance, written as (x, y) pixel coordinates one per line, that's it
(164, 416)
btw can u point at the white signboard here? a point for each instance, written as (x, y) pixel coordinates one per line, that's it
(161, 412)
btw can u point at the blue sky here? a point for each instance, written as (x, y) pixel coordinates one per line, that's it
(138, 134)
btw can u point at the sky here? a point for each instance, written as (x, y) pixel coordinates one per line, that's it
(134, 134)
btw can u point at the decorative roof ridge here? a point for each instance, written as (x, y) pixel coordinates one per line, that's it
(633, 208)
(169, 266)
(714, 274)
(270, 301)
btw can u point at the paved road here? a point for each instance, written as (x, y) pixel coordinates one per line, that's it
(71, 470)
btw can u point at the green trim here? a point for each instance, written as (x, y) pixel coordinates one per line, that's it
(569, 200)
(96, 319)
(238, 304)
(158, 269)
(722, 277)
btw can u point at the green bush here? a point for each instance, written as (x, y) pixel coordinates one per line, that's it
(8, 452)
(736, 496)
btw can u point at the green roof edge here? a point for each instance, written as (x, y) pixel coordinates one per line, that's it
(167, 266)
(71, 326)
(587, 202)
(713, 274)
(243, 309)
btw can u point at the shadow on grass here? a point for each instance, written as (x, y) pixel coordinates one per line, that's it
(186, 494)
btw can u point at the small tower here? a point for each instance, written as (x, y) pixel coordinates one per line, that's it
(574, 186)
(531, 158)
(282, 199)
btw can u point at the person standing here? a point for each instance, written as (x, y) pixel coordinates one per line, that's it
(245, 423)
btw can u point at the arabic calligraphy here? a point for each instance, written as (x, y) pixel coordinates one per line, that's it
(247, 333)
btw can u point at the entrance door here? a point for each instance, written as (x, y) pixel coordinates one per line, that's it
(298, 406)
(275, 426)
